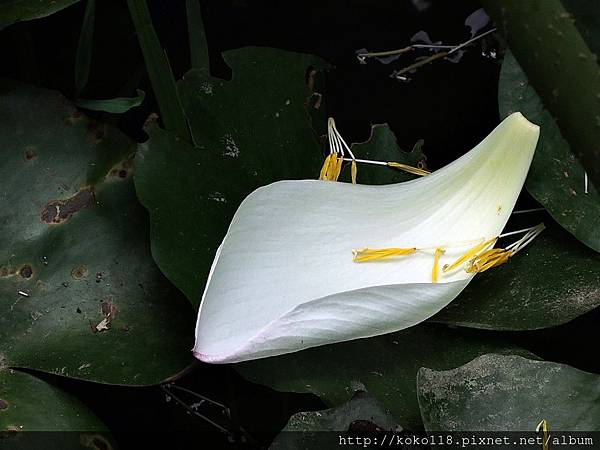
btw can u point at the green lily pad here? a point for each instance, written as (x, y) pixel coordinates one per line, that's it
(248, 132)
(80, 293)
(556, 178)
(28, 404)
(509, 393)
(12, 11)
(385, 366)
(526, 293)
(363, 413)
(382, 146)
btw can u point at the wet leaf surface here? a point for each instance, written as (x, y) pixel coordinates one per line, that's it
(385, 366)
(29, 404)
(509, 393)
(362, 414)
(74, 252)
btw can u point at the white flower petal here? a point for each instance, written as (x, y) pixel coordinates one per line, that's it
(284, 280)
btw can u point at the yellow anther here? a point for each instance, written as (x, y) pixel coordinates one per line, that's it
(436, 264)
(409, 169)
(324, 169)
(353, 171)
(337, 168)
(543, 427)
(332, 168)
(369, 254)
(488, 259)
(469, 254)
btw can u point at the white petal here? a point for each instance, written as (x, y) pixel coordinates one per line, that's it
(284, 280)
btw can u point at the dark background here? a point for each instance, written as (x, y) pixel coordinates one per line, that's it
(450, 105)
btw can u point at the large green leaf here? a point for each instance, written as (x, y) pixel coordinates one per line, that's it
(361, 414)
(509, 393)
(556, 178)
(29, 404)
(386, 366)
(12, 11)
(552, 281)
(74, 249)
(248, 132)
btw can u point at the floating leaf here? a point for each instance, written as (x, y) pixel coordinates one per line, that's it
(29, 404)
(509, 393)
(526, 293)
(386, 366)
(556, 178)
(114, 105)
(17, 10)
(362, 414)
(74, 250)
(249, 132)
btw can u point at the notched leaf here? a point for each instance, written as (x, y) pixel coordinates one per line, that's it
(58, 211)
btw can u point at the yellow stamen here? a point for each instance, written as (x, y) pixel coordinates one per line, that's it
(369, 254)
(353, 171)
(337, 168)
(436, 264)
(409, 169)
(323, 174)
(469, 254)
(331, 169)
(543, 427)
(488, 259)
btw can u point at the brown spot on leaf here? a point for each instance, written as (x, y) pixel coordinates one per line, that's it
(122, 169)
(150, 122)
(79, 272)
(96, 132)
(109, 308)
(6, 271)
(58, 211)
(3, 404)
(110, 311)
(26, 271)
(29, 153)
